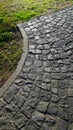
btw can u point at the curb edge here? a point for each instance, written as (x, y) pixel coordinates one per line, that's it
(11, 79)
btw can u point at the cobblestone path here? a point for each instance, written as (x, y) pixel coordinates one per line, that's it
(41, 98)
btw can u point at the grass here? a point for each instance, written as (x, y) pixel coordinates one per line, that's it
(11, 13)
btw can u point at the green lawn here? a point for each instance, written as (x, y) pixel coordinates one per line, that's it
(11, 13)
(17, 10)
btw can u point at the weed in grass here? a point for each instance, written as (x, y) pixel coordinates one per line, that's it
(6, 36)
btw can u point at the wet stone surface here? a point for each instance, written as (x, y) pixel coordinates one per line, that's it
(41, 98)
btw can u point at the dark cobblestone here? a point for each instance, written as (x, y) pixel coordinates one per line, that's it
(53, 109)
(10, 93)
(41, 98)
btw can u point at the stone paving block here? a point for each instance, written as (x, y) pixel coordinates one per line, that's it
(70, 127)
(10, 110)
(63, 103)
(27, 111)
(63, 84)
(19, 100)
(41, 98)
(31, 126)
(47, 69)
(2, 104)
(56, 76)
(46, 86)
(70, 92)
(53, 109)
(38, 118)
(55, 98)
(62, 93)
(44, 95)
(50, 121)
(18, 81)
(32, 102)
(61, 125)
(42, 106)
(6, 124)
(54, 90)
(70, 101)
(38, 63)
(10, 93)
(20, 121)
(63, 113)
(70, 83)
(55, 70)
(46, 77)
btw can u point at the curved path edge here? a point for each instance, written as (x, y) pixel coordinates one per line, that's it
(7, 84)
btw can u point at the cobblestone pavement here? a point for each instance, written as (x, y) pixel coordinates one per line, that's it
(41, 98)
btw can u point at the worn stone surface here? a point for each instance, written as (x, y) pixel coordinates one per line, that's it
(42, 106)
(41, 98)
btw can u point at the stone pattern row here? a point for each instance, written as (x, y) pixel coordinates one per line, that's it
(41, 98)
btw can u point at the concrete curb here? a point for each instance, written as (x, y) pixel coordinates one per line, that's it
(11, 79)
